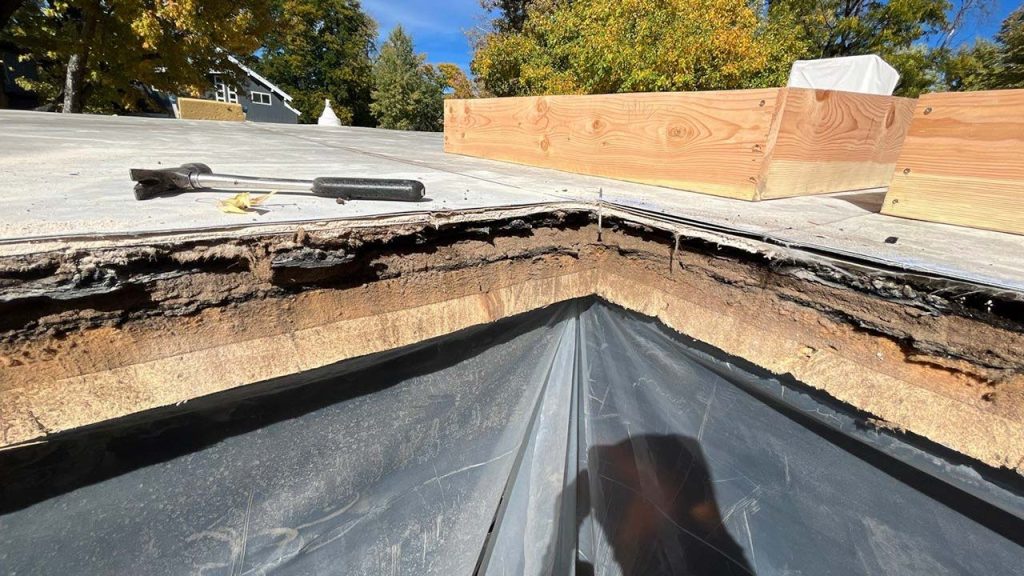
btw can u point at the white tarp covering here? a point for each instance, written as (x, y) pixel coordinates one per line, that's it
(867, 74)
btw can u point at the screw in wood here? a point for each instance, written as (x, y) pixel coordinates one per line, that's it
(906, 170)
(928, 110)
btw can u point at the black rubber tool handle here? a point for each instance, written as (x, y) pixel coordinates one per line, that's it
(369, 189)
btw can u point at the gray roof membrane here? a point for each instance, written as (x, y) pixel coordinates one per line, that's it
(577, 439)
(64, 178)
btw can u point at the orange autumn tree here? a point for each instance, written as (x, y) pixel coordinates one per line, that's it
(606, 46)
(102, 55)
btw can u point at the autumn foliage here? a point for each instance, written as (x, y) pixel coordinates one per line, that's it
(605, 46)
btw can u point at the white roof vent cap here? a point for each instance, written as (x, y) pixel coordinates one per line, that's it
(328, 118)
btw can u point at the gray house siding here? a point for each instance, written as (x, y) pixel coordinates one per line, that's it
(276, 111)
(259, 111)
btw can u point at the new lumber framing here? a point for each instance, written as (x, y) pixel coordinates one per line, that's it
(963, 162)
(748, 144)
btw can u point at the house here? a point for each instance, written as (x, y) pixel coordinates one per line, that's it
(261, 100)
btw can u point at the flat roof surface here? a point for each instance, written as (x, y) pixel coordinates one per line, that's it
(66, 176)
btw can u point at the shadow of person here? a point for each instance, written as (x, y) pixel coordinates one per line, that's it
(652, 497)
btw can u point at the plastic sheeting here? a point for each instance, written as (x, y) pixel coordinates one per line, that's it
(867, 74)
(579, 439)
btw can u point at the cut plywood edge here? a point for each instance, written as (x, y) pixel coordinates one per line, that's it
(826, 141)
(100, 373)
(963, 162)
(711, 142)
(197, 109)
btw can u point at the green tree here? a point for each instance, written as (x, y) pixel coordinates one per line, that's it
(897, 30)
(985, 64)
(605, 46)
(98, 55)
(1010, 40)
(455, 79)
(511, 14)
(407, 92)
(968, 67)
(849, 27)
(321, 49)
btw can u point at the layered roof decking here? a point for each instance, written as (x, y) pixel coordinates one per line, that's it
(214, 300)
(66, 178)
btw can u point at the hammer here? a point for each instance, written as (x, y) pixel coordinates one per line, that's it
(153, 183)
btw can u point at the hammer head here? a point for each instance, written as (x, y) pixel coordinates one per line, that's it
(153, 183)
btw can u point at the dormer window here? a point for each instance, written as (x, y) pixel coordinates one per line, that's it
(260, 98)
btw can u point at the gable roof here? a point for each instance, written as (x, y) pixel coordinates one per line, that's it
(285, 97)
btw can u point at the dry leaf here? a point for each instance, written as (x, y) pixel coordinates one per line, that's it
(243, 203)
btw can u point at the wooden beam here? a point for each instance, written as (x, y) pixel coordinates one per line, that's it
(829, 141)
(749, 144)
(963, 162)
(197, 109)
(710, 142)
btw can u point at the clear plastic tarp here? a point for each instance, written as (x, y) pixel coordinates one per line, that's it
(578, 439)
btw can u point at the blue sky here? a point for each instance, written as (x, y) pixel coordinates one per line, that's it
(986, 26)
(438, 27)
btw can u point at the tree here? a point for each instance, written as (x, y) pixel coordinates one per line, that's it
(407, 92)
(849, 27)
(101, 54)
(321, 49)
(604, 46)
(967, 68)
(900, 31)
(7, 9)
(511, 14)
(985, 65)
(455, 79)
(1010, 40)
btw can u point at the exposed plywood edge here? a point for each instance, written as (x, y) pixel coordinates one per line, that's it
(711, 142)
(830, 141)
(29, 413)
(97, 374)
(989, 438)
(961, 162)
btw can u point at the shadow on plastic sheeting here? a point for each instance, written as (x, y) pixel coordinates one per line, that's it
(652, 496)
(78, 458)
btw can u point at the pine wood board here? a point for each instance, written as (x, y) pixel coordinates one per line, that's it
(748, 144)
(963, 162)
(711, 142)
(827, 141)
(197, 109)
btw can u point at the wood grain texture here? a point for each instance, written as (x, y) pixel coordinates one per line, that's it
(827, 141)
(196, 109)
(963, 162)
(712, 142)
(748, 144)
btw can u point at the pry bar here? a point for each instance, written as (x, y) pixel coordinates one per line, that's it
(154, 183)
